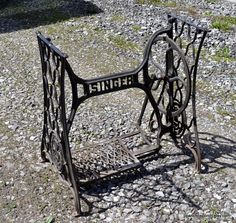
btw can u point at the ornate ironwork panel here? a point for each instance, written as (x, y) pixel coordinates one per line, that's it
(53, 64)
(172, 56)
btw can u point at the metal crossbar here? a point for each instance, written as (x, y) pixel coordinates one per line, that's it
(167, 76)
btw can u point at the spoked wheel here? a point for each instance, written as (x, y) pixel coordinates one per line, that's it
(171, 84)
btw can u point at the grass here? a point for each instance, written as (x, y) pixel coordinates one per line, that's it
(136, 28)
(205, 221)
(49, 220)
(223, 23)
(171, 4)
(214, 214)
(118, 18)
(191, 10)
(223, 54)
(11, 206)
(210, 116)
(233, 122)
(212, 1)
(206, 88)
(141, 2)
(92, 58)
(122, 43)
(208, 13)
(51, 30)
(221, 171)
(158, 2)
(232, 96)
(214, 211)
(223, 112)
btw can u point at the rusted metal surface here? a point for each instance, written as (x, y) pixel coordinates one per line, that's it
(167, 75)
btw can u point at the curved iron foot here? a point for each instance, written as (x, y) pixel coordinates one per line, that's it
(193, 146)
(43, 153)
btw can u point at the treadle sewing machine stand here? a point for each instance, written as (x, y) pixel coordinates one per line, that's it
(173, 109)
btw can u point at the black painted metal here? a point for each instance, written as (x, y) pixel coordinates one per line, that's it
(170, 88)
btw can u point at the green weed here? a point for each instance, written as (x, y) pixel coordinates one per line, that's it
(136, 28)
(171, 4)
(224, 23)
(212, 1)
(157, 2)
(214, 211)
(205, 221)
(208, 13)
(223, 112)
(50, 220)
(123, 43)
(223, 54)
(117, 18)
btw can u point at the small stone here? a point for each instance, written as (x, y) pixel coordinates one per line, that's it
(127, 210)
(227, 117)
(143, 218)
(234, 216)
(107, 198)
(224, 184)
(228, 103)
(145, 202)
(102, 216)
(187, 186)
(109, 219)
(121, 194)
(230, 180)
(22, 173)
(2, 149)
(129, 218)
(147, 213)
(85, 32)
(116, 199)
(166, 210)
(32, 138)
(181, 216)
(160, 194)
(136, 209)
(4, 138)
(217, 196)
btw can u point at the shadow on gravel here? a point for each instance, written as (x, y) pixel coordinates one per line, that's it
(17, 14)
(219, 152)
(156, 180)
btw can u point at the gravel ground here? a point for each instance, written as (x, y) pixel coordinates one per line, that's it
(103, 37)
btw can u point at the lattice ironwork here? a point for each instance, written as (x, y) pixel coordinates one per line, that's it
(167, 76)
(103, 159)
(52, 141)
(189, 37)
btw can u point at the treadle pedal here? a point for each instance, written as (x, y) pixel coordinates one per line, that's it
(146, 151)
(103, 159)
